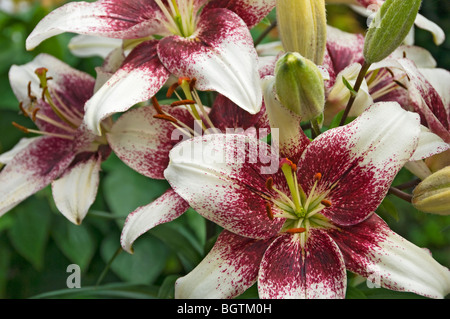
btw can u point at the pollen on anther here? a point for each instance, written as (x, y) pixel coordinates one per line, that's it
(318, 177)
(156, 105)
(192, 84)
(33, 116)
(172, 89)
(296, 230)
(182, 102)
(269, 211)
(20, 127)
(165, 117)
(325, 202)
(269, 183)
(23, 109)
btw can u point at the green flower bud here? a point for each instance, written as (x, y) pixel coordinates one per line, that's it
(303, 27)
(299, 85)
(389, 28)
(432, 195)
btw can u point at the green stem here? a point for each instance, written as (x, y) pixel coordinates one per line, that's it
(315, 128)
(265, 33)
(105, 271)
(400, 194)
(362, 73)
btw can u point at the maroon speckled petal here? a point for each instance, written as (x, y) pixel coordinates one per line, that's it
(316, 271)
(222, 177)
(227, 271)
(363, 158)
(144, 142)
(138, 79)
(32, 169)
(221, 56)
(120, 19)
(250, 11)
(374, 251)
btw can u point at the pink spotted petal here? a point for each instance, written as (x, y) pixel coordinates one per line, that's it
(316, 271)
(164, 209)
(250, 11)
(33, 168)
(374, 251)
(139, 78)
(144, 142)
(120, 19)
(360, 159)
(226, 272)
(223, 176)
(221, 57)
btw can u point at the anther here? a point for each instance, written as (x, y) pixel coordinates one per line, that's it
(296, 230)
(33, 116)
(269, 211)
(192, 84)
(165, 117)
(31, 96)
(172, 89)
(269, 183)
(400, 84)
(182, 102)
(20, 127)
(318, 177)
(325, 203)
(23, 109)
(156, 105)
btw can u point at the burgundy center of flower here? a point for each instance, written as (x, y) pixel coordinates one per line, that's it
(68, 118)
(193, 105)
(301, 210)
(383, 81)
(180, 16)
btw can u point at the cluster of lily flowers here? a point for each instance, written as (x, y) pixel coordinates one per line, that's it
(297, 210)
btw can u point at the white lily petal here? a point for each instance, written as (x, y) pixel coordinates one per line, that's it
(76, 190)
(88, 45)
(6, 157)
(440, 80)
(438, 33)
(429, 144)
(162, 210)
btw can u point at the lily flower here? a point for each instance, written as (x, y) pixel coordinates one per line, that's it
(143, 138)
(204, 39)
(298, 230)
(64, 153)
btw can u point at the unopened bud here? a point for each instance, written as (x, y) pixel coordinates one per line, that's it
(389, 28)
(432, 195)
(300, 86)
(303, 27)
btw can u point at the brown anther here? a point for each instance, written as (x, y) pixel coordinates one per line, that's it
(390, 72)
(172, 89)
(156, 105)
(318, 177)
(31, 96)
(33, 116)
(296, 230)
(269, 183)
(269, 211)
(192, 84)
(400, 84)
(20, 127)
(165, 117)
(49, 78)
(23, 109)
(325, 202)
(182, 102)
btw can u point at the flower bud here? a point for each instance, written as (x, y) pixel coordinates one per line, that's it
(389, 28)
(432, 195)
(299, 85)
(303, 27)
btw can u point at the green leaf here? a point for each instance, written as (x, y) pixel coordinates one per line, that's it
(142, 267)
(388, 207)
(30, 231)
(75, 242)
(167, 289)
(116, 290)
(125, 190)
(337, 119)
(349, 87)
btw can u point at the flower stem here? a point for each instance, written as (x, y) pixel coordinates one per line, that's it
(265, 33)
(400, 194)
(105, 271)
(315, 128)
(362, 73)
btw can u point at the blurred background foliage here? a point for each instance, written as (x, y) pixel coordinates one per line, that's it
(37, 243)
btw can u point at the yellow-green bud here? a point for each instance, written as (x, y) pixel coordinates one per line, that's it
(303, 27)
(432, 195)
(389, 28)
(299, 85)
